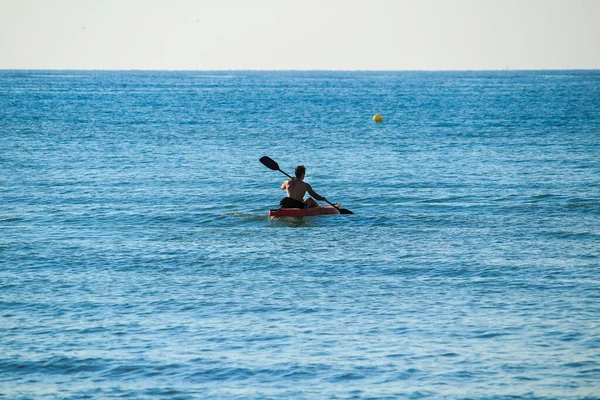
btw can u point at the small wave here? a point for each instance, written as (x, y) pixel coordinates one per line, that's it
(407, 374)
(167, 392)
(580, 364)
(96, 329)
(147, 370)
(490, 335)
(54, 365)
(543, 196)
(583, 206)
(570, 337)
(595, 371)
(238, 214)
(12, 219)
(449, 355)
(442, 200)
(526, 378)
(288, 371)
(398, 355)
(592, 343)
(221, 374)
(347, 376)
(570, 235)
(237, 218)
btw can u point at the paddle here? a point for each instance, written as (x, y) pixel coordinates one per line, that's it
(271, 164)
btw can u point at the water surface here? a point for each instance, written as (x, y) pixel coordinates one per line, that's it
(136, 258)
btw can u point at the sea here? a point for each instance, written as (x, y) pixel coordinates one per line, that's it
(137, 259)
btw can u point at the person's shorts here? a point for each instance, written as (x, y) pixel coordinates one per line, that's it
(288, 202)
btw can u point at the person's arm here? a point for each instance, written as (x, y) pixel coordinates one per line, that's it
(285, 184)
(314, 194)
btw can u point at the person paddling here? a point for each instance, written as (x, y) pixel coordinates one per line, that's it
(296, 189)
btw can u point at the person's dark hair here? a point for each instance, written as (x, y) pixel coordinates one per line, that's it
(300, 171)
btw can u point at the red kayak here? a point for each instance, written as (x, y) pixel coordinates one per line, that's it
(304, 212)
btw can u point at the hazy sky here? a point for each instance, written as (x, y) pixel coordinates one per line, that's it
(301, 34)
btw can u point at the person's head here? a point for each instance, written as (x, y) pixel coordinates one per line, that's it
(300, 171)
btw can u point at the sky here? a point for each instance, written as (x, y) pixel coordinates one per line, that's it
(300, 34)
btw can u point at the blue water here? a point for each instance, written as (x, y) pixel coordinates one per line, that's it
(137, 260)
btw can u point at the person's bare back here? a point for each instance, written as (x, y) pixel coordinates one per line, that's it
(296, 188)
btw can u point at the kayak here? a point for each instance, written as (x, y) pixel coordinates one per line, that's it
(304, 212)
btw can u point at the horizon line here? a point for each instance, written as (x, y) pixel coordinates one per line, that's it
(296, 70)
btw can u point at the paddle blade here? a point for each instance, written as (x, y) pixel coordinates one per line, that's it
(269, 163)
(341, 210)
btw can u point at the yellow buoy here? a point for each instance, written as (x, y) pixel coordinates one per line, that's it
(377, 118)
